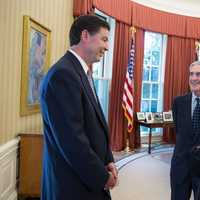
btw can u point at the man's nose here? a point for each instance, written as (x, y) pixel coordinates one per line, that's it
(106, 46)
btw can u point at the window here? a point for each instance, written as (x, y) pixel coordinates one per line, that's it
(102, 71)
(153, 76)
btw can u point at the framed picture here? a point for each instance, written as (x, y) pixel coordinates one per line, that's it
(149, 117)
(140, 116)
(157, 117)
(167, 116)
(35, 63)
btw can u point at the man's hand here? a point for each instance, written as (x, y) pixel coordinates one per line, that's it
(113, 178)
(111, 182)
(112, 168)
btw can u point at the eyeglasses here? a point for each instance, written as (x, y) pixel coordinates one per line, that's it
(197, 74)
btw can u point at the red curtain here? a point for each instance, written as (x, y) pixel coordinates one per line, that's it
(81, 7)
(193, 27)
(158, 21)
(165, 22)
(142, 16)
(118, 9)
(180, 54)
(120, 61)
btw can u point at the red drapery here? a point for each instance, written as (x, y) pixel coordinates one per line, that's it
(180, 54)
(116, 117)
(158, 21)
(81, 7)
(193, 27)
(118, 9)
(165, 22)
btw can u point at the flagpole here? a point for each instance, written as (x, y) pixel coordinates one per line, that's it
(127, 149)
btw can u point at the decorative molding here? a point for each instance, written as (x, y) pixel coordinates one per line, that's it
(8, 170)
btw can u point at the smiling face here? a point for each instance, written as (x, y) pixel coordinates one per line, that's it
(95, 45)
(194, 79)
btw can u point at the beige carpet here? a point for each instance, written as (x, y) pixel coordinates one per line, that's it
(144, 177)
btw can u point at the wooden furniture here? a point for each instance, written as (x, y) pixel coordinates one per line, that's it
(154, 125)
(30, 165)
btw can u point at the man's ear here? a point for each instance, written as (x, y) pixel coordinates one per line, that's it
(84, 35)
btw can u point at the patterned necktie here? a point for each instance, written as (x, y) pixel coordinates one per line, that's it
(90, 79)
(196, 117)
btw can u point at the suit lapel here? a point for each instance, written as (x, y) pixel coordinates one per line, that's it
(88, 88)
(187, 106)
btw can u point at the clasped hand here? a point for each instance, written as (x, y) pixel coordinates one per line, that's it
(113, 176)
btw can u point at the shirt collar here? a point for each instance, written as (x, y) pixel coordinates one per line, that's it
(194, 97)
(83, 63)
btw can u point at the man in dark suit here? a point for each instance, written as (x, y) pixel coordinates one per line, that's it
(77, 163)
(185, 165)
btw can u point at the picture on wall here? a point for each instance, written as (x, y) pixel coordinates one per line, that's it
(35, 63)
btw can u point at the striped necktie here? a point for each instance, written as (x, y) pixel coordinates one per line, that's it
(196, 117)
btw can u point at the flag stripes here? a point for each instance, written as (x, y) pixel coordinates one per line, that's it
(128, 92)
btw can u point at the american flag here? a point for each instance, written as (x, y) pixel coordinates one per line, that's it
(127, 102)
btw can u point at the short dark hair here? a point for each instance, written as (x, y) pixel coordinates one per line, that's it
(91, 23)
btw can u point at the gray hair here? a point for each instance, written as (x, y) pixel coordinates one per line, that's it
(195, 63)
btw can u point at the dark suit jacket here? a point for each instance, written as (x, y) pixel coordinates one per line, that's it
(76, 147)
(181, 167)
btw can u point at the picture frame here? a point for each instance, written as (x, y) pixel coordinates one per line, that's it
(168, 116)
(157, 117)
(149, 117)
(140, 116)
(36, 47)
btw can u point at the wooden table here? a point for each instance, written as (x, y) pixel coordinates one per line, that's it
(151, 125)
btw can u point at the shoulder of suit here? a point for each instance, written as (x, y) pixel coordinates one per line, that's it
(182, 98)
